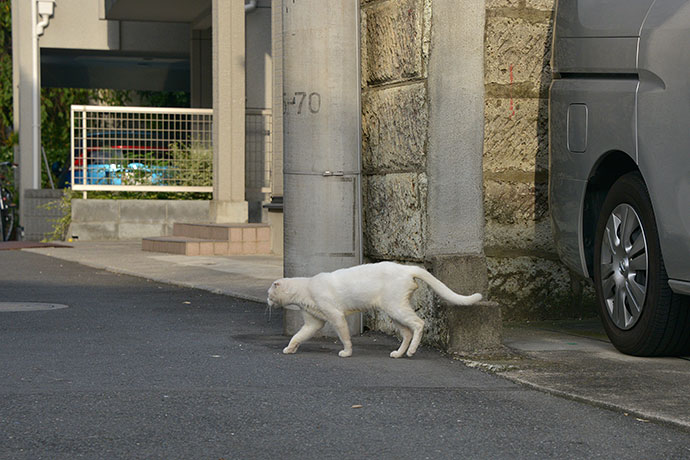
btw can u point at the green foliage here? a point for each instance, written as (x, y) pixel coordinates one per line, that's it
(148, 195)
(7, 137)
(193, 165)
(55, 123)
(61, 225)
(165, 98)
(55, 118)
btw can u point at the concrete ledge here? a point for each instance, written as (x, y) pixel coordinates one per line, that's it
(474, 328)
(463, 273)
(103, 220)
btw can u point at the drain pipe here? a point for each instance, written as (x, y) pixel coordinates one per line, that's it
(44, 10)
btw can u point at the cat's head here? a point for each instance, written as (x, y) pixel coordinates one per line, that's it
(277, 293)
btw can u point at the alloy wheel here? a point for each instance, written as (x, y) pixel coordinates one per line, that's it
(624, 266)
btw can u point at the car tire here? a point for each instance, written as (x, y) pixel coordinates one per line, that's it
(642, 316)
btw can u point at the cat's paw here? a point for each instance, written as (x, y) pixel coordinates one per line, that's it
(345, 353)
(410, 354)
(396, 354)
(289, 351)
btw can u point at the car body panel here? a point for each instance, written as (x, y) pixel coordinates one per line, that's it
(608, 55)
(621, 86)
(664, 127)
(593, 18)
(608, 101)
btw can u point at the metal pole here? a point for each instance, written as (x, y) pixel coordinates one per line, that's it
(50, 174)
(71, 143)
(322, 140)
(44, 9)
(84, 151)
(35, 102)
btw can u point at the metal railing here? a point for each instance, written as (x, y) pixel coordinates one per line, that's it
(141, 149)
(258, 154)
(161, 149)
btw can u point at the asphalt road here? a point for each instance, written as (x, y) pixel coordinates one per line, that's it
(136, 369)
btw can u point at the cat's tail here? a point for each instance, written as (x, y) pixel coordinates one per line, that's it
(442, 290)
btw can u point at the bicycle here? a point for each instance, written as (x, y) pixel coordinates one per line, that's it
(7, 205)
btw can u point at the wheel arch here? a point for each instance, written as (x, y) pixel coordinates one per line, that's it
(606, 171)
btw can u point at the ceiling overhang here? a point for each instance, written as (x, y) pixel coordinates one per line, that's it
(100, 69)
(188, 11)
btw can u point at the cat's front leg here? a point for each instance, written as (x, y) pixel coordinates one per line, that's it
(291, 348)
(311, 325)
(346, 352)
(340, 324)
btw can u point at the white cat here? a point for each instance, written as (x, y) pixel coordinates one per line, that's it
(384, 285)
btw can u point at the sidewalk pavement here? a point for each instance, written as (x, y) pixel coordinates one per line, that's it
(243, 277)
(572, 359)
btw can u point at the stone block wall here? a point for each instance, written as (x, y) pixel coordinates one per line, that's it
(525, 275)
(395, 37)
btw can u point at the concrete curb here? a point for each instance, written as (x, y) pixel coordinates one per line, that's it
(641, 415)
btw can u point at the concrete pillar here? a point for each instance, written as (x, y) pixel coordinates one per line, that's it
(228, 203)
(456, 140)
(201, 69)
(455, 245)
(275, 218)
(23, 108)
(321, 140)
(277, 94)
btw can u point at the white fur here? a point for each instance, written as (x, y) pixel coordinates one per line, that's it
(331, 296)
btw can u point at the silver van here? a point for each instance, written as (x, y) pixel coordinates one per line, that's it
(619, 173)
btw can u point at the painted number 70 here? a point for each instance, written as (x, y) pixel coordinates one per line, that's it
(304, 102)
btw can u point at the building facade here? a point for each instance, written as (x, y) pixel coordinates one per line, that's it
(153, 46)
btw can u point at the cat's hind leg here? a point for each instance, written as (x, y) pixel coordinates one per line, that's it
(405, 315)
(417, 326)
(406, 338)
(307, 331)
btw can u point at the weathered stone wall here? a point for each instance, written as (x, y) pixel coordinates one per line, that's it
(395, 117)
(525, 275)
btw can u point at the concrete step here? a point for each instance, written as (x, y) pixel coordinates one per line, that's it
(212, 239)
(184, 246)
(224, 232)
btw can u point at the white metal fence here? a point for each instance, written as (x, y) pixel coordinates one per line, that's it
(161, 149)
(142, 149)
